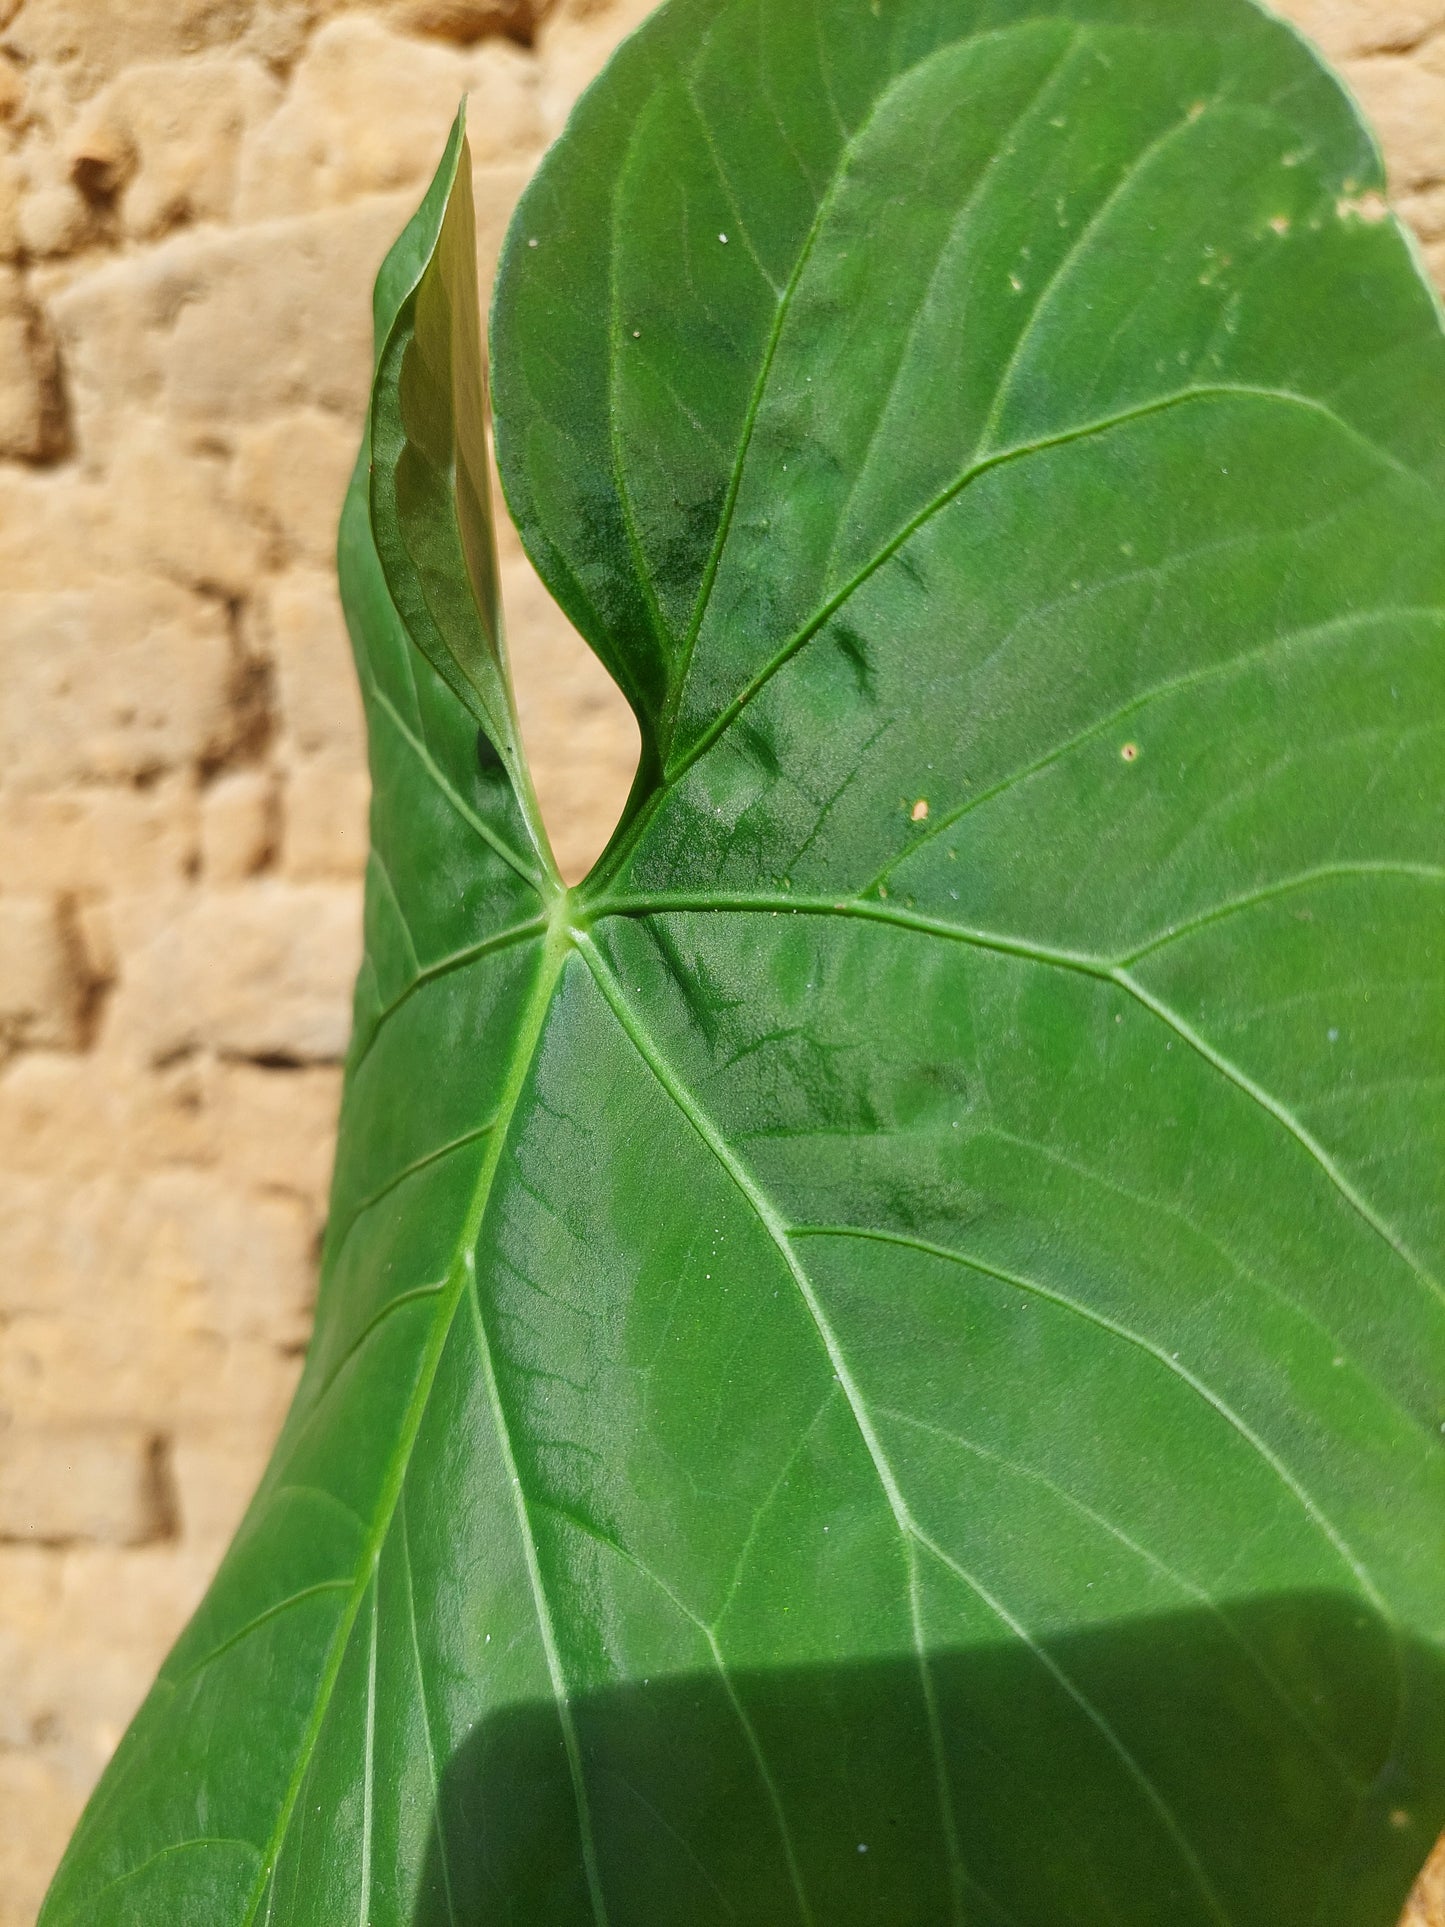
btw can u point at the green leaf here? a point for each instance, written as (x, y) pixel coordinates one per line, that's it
(883, 1360)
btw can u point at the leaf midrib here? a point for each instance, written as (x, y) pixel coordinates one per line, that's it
(562, 938)
(555, 951)
(912, 1535)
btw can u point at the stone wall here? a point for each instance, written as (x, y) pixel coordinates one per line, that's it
(194, 196)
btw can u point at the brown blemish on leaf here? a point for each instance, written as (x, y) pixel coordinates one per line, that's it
(1372, 208)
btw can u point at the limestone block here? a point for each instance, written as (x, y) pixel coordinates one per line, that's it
(164, 505)
(47, 1801)
(54, 218)
(183, 1252)
(1405, 101)
(496, 189)
(162, 141)
(240, 1261)
(86, 41)
(263, 971)
(62, 1119)
(291, 475)
(1424, 211)
(318, 699)
(327, 831)
(12, 191)
(574, 43)
(57, 1367)
(45, 519)
(277, 1129)
(1342, 28)
(12, 89)
(63, 1369)
(67, 1121)
(39, 992)
(31, 1210)
(82, 1633)
(29, 1591)
(111, 837)
(368, 110)
(219, 329)
(279, 30)
(84, 1483)
(46, 1130)
(166, 508)
(238, 825)
(1427, 1903)
(217, 1469)
(114, 324)
(282, 318)
(122, 681)
(581, 737)
(32, 414)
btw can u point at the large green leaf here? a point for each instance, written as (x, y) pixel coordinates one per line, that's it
(882, 1361)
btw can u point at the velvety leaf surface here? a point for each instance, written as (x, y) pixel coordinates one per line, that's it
(883, 1360)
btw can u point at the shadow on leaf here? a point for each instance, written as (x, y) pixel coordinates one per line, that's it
(1279, 1763)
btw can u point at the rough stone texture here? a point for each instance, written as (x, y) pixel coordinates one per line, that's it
(194, 196)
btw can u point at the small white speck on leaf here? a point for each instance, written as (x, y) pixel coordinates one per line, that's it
(1333, 1034)
(533, 242)
(862, 1846)
(1280, 224)
(919, 810)
(724, 239)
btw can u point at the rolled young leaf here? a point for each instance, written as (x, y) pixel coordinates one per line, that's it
(881, 1361)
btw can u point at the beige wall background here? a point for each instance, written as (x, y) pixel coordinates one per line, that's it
(194, 197)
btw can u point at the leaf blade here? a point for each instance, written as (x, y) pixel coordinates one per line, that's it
(937, 1323)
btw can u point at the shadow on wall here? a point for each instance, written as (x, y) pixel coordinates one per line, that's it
(1277, 1764)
